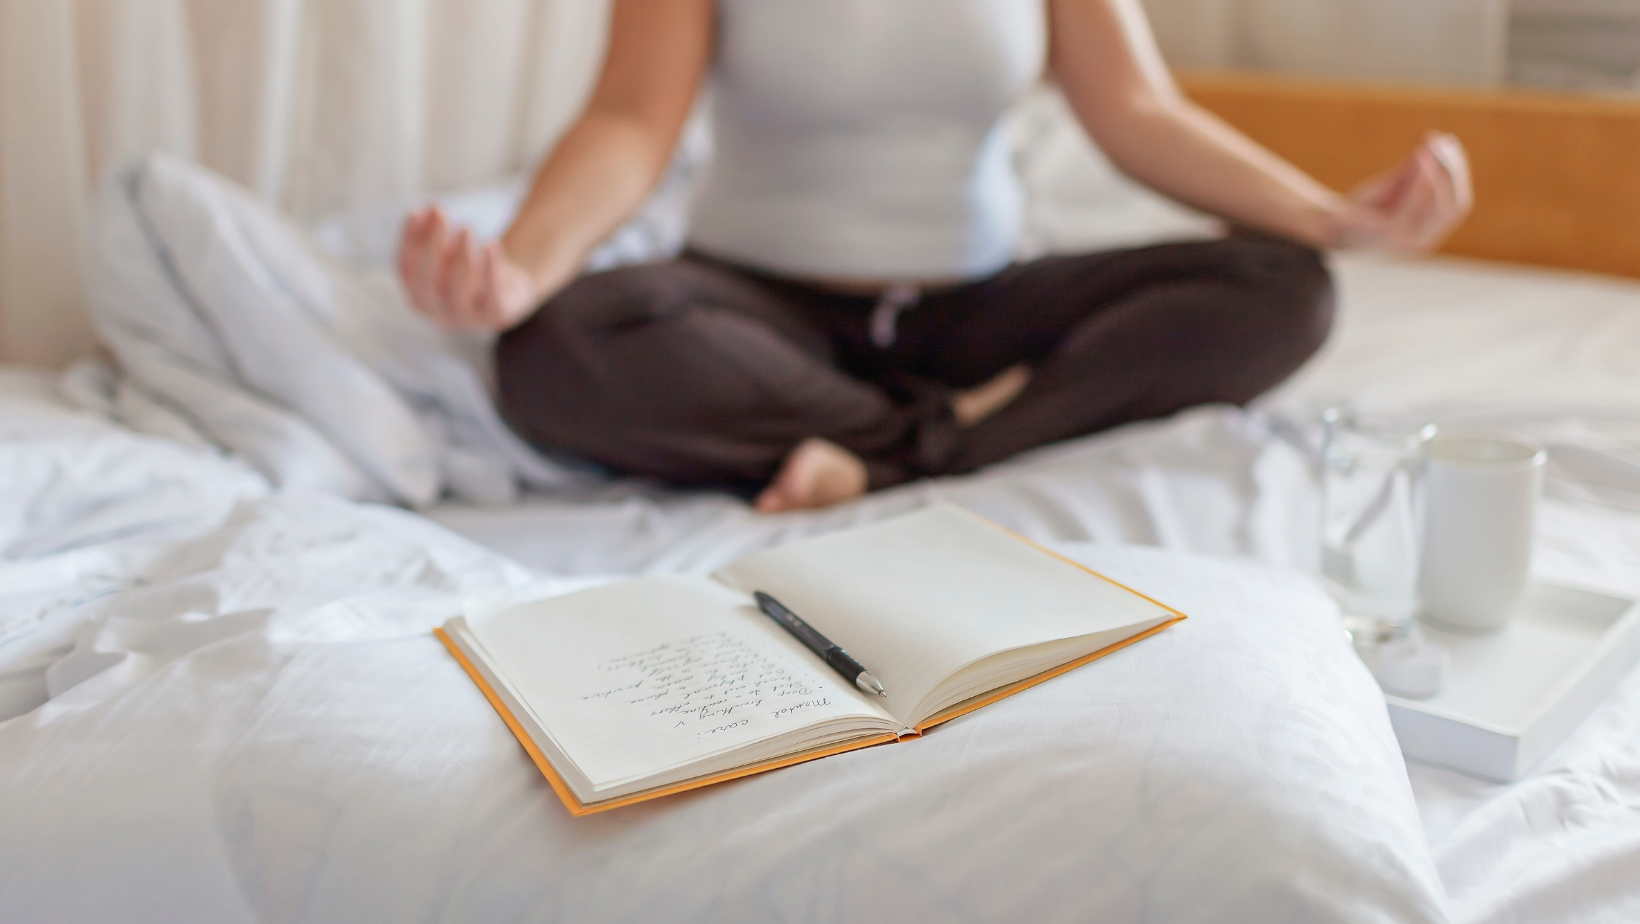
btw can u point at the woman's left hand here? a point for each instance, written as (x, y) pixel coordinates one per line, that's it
(1413, 207)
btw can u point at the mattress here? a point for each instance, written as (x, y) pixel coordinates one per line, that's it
(1552, 355)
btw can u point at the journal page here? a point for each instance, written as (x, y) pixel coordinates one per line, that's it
(918, 598)
(634, 679)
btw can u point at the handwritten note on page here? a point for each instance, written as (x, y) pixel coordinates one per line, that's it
(661, 672)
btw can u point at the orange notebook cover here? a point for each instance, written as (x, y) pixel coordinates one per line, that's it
(577, 808)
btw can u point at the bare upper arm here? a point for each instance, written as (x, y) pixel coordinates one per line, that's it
(1105, 60)
(659, 52)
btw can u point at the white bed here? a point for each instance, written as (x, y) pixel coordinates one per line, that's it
(95, 515)
(219, 701)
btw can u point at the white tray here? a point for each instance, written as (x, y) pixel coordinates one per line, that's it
(1510, 697)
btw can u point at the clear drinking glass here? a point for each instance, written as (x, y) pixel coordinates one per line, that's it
(1371, 510)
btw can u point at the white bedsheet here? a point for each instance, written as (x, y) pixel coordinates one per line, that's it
(1556, 355)
(231, 329)
(88, 510)
(265, 730)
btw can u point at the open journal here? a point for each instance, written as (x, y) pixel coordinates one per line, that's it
(653, 686)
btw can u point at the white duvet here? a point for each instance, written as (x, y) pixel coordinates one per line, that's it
(258, 726)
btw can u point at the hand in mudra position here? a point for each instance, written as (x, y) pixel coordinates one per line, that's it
(461, 284)
(1412, 207)
(458, 282)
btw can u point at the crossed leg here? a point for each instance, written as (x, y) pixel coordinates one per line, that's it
(695, 373)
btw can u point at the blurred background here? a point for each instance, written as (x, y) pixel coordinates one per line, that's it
(319, 106)
(1590, 45)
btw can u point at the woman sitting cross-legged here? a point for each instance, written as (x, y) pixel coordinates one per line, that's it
(847, 315)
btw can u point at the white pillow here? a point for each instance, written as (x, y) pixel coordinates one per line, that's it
(216, 306)
(319, 374)
(288, 742)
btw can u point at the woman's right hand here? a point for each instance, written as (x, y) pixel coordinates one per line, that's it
(459, 283)
(595, 178)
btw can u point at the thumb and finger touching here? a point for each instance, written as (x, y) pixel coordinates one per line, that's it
(1415, 205)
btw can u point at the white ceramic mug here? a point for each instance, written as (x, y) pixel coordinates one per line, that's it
(1479, 518)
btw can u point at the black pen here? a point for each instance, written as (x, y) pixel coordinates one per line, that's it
(819, 644)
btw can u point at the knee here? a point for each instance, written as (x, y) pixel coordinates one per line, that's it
(569, 328)
(533, 358)
(1295, 292)
(548, 369)
(592, 306)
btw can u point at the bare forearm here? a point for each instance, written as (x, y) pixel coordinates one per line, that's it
(1187, 153)
(1103, 55)
(609, 160)
(598, 174)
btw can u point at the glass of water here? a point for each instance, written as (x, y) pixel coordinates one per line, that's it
(1371, 518)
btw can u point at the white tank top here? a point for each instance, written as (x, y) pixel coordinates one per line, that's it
(863, 139)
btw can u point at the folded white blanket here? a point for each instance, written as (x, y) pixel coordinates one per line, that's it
(233, 327)
(260, 727)
(228, 317)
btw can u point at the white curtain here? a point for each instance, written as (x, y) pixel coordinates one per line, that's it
(320, 105)
(316, 105)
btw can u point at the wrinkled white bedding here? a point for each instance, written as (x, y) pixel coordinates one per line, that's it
(277, 599)
(293, 348)
(231, 329)
(105, 514)
(253, 722)
(265, 730)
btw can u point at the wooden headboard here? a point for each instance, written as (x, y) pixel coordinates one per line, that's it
(1557, 177)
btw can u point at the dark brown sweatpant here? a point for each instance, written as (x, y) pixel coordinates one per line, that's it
(698, 372)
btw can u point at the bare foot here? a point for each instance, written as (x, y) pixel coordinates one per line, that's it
(980, 402)
(818, 473)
